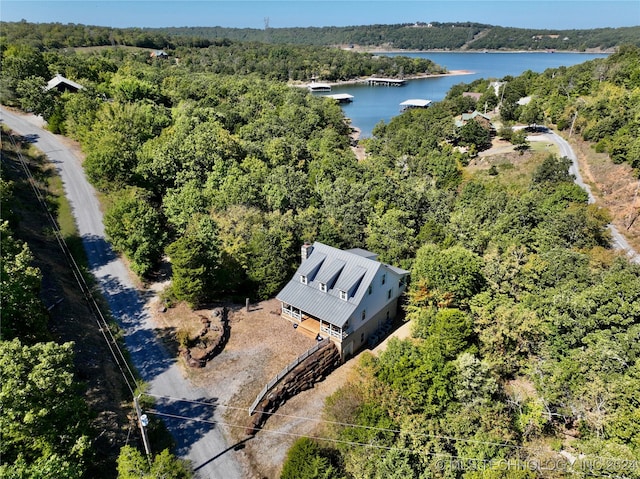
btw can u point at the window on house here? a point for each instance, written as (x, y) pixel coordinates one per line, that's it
(389, 294)
(343, 295)
(303, 279)
(364, 314)
(370, 288)
(323, 287)
(384, 278)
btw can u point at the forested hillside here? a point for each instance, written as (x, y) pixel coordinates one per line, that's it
(526, 324)
(415, 36)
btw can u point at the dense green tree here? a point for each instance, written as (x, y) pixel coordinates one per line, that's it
(23, 315)
(272, 255)
(119, 131)
(196, 262)
(190, 149)
(134, 228)
(133, 465)
(454, 270)
(473, 133)
(553, 170)
(19, 62)
(389, 233)
(532, 113)
(305, 460)
(34, 98)
(44, 422)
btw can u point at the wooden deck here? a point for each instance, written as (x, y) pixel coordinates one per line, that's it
(308, 326)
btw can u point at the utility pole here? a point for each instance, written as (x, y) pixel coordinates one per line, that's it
(266, 30)
(143, 422)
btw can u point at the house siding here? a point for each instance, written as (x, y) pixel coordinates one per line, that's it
(346, 269)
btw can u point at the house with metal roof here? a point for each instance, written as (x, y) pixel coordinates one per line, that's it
(159, 54)
(63, 84)
(476, 116)
(345, 295)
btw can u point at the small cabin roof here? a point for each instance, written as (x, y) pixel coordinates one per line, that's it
(60, 80)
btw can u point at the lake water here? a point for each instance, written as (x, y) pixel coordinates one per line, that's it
(372, 104)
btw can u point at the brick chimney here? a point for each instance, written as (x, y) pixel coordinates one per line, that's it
(306, 250)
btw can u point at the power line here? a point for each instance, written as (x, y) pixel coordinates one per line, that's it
(454, 460)
(344, 424)
(337, 423)
(103, 325)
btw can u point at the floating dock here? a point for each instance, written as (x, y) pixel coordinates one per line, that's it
(341, 97)
(386, 81)
(415, 103)
(319, 86)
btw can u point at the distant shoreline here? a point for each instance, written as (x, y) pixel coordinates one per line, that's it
(399, 50)
(419, 76)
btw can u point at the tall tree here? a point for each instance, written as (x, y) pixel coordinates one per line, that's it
(134, 228)
(44, 422)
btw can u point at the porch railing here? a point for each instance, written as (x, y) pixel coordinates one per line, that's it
(332, 332)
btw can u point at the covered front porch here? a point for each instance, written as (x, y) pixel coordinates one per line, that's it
(312, 326)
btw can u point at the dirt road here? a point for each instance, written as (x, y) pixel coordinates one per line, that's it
(618, 241)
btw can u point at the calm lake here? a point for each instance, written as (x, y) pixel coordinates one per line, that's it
(374, 103)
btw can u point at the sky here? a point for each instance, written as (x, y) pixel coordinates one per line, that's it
(561, 14)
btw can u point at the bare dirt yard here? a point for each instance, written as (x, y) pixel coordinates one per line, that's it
(261, 344)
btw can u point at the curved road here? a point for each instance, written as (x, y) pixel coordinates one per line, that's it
(617, 240)
(201, 442)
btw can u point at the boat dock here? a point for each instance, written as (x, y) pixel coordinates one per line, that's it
(414, 103)
(385, 81)
(341, 97)
(319, 86)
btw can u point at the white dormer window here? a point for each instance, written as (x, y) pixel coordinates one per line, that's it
(303, 279)
(343, 295)
(323, 287)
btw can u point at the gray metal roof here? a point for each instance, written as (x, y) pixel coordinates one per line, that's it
(364, 253)
(59, 79)
(311, 266)
(352, 270)
(328, 274)
(350, 280)
(416, 103)
(397, 270)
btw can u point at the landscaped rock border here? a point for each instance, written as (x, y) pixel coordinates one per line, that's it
(214, 334)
